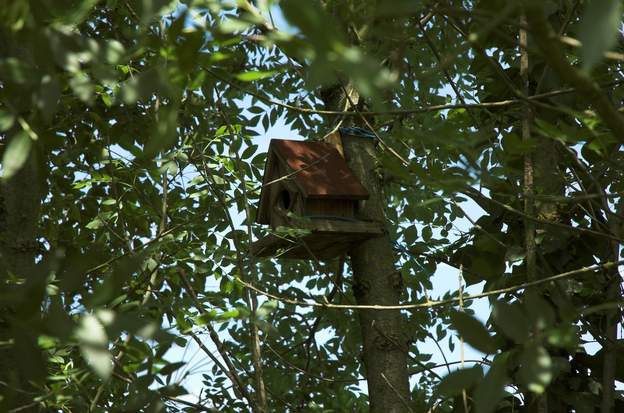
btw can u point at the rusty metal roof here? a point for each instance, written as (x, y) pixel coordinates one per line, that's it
(318, 169)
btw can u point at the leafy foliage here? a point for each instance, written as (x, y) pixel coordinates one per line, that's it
(131, 173)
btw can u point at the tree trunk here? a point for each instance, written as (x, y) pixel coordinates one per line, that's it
(19, 214)
(376, 281)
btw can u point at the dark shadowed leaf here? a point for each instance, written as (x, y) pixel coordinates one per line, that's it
(599, 29)
(473, 332)
(491, 390)
(510, 319)
(171, 367)
(455, 382)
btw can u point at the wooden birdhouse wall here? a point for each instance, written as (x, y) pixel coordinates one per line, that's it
(308, 185)
(284, 198)
(339, 208)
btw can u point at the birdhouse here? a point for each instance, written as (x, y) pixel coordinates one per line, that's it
(310, 199)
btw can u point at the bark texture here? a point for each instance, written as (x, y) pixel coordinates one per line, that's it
(19, 214)
(376, 281)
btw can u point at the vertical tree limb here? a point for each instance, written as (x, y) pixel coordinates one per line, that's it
(378, 282)
(20, 201)
(528, 184)
(535, 403)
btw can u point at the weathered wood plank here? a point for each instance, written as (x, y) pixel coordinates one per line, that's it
(328, 239)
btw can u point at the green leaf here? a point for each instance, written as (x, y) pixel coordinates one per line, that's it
(95, 224)
(599, 30)
(74, 14)
(564, 336)
(318, 26)
(473, 332)
(491, 390)
(535, 368)
(511, 321)
(266, 308)
(170, 368)
(82, 87)
(226, 315)
(255, 75)
(16, 154)
(205, 318)
(6, 120)
(16, 71)
(91, 331)
(249, 152)
(165, 133)
(540, 313)
(463, 379)
(427, 233)
(114, 51)
(233, 25)
(93, 345)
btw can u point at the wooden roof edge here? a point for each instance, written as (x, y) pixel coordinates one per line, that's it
(262, 213)
(336, 146)
(279, 156)
(262, 216)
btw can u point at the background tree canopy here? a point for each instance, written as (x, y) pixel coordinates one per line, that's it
(131, 173)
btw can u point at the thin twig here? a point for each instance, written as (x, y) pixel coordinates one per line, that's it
(291, 174)
(461, 338)
(251, 298)
(197, 406)
(219, 344)
(403, 112)
(438, 303)
(403, 401)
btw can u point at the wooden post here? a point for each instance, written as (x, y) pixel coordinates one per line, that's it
(376, 281)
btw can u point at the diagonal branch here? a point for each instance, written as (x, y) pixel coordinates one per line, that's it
(231, 370)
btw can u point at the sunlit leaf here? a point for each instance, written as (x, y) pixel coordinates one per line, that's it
(93, 344)
(255, 75)
(6, 120)
(536, 368)
(463, 379)
(16, 154)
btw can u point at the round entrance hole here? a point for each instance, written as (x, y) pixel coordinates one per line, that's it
(285, 200)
